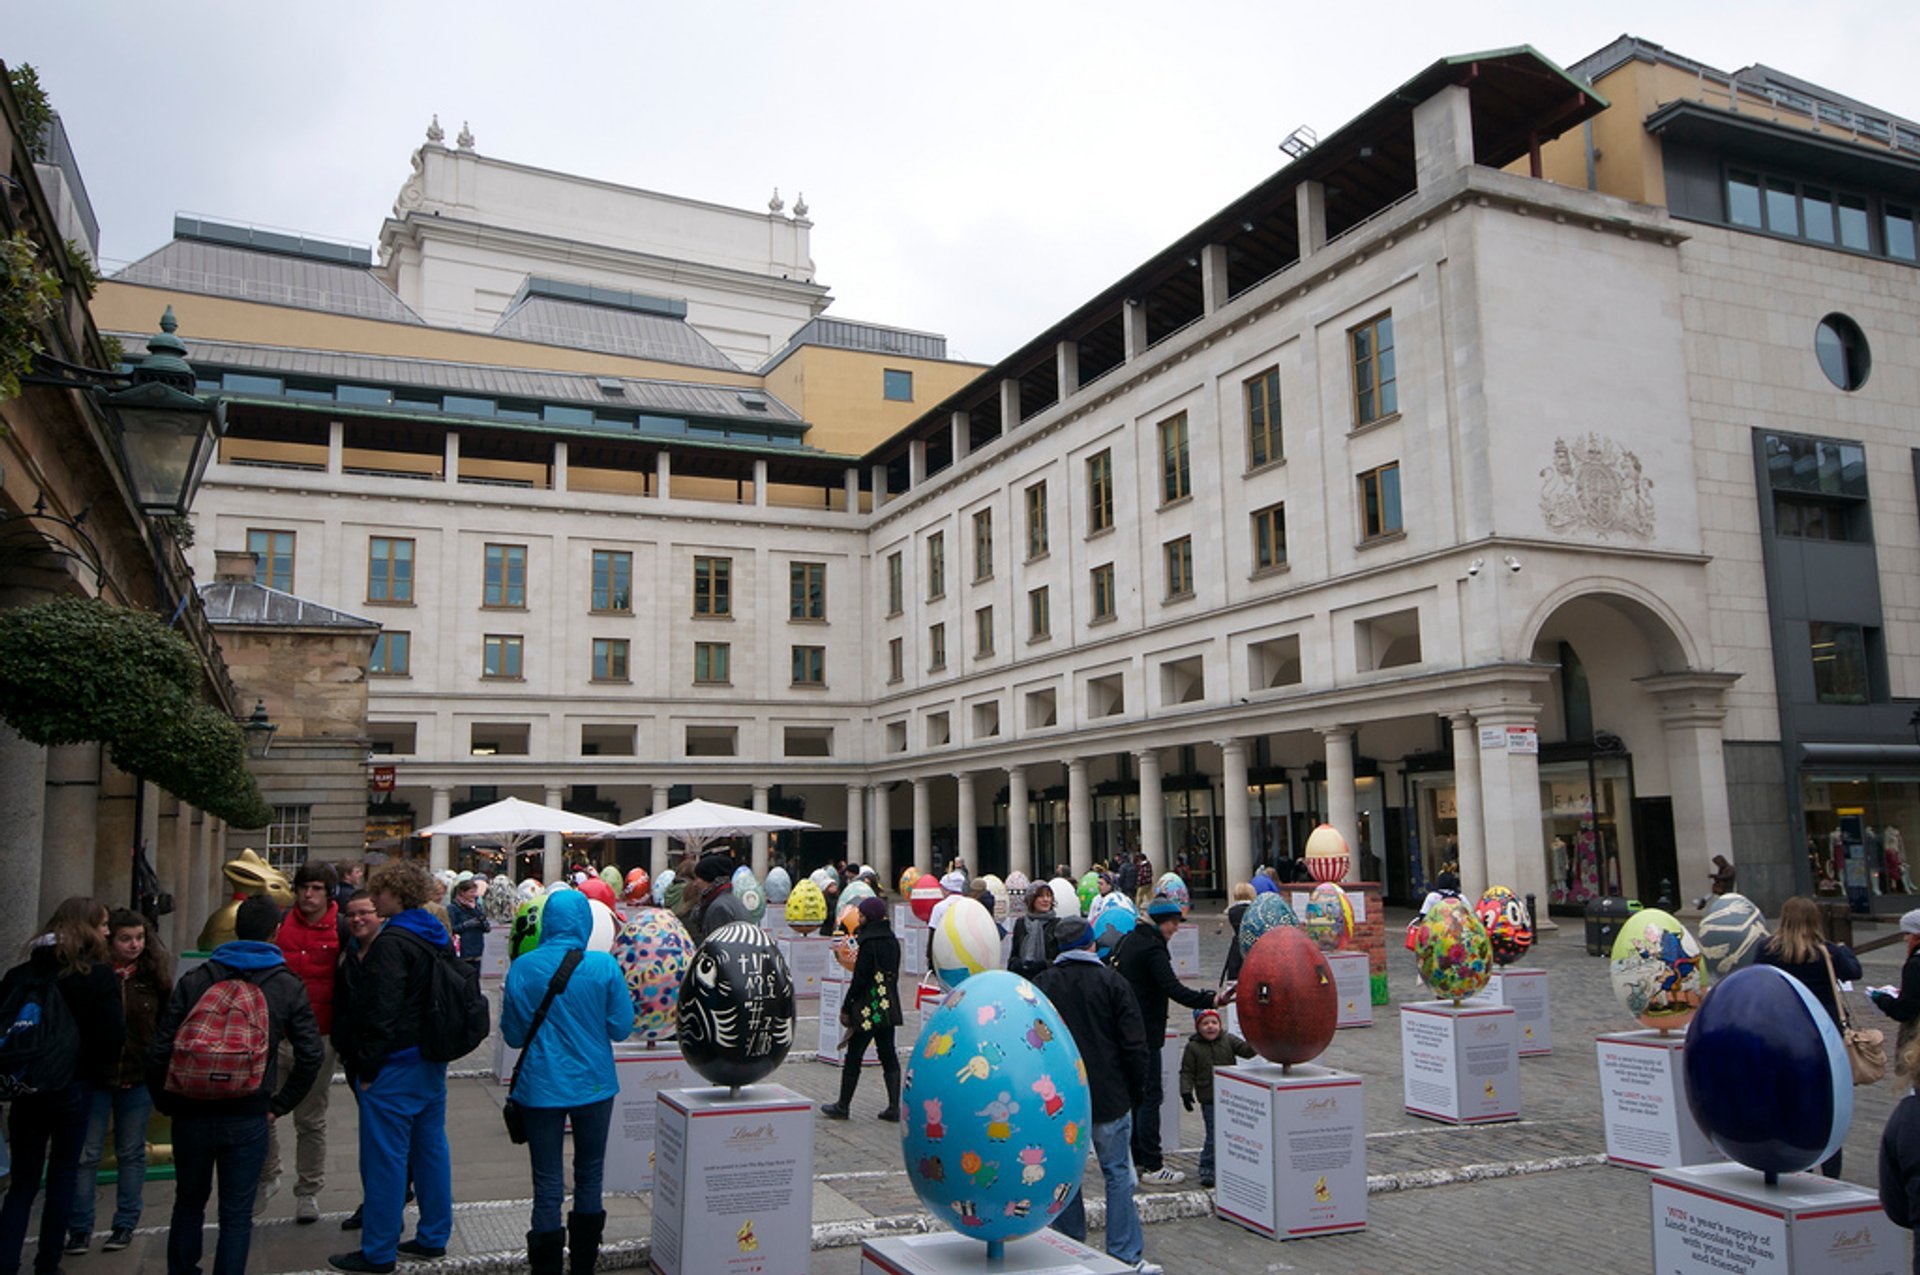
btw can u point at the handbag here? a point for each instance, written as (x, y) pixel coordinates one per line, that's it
(512, 1112)
(1866, 1046)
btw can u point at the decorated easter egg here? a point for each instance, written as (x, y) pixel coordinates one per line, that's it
(527, 888)
(606, 925)
(964, 942)
(924, 893)
(778, 885)
(599, 891)
(1658, 973)
(746, 888)
(995, 1117)
(909, 875)
(525, 935)
(1087, 891)
(1509, 930)
(652, 950)
(736, 1006)
(1731, 933)
(996, 900)
(1451, 947)
(611, 875)
(638, 887)
(1114, 922)
(856, 890)
(500, 901)
(1287, 1001)
(846, 949)
(933, 917)
(806, 907)
(1264, 884)
(1326, 854)
(660, 884)
(1018, 882)
(1329, 917)
(1065, 902)
(1171, 886)
(1266, 912)
(1766, 1072)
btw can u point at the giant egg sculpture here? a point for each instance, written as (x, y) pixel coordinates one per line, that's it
(1451, 946)
(1104, 903)
(1730, 933)
(1087, 891)
(1657, 970)
(1326, 854)
(527, 889)
(997, 900)
(1329, 917)
(778, 885)
(995, 1117)
(1171, 886)
(1767, 1074)
(606, 925)
(806, 908)
(924, 894)
(1019, 885)
(736, 1006)
(638, 888)
(856, 890)
(1509, 931)
(1266, 912)
(746, 888)
(965, 941)
(525, 935)
(846, 946)
(1065, 902)
(598, 891)
(1288, 1004)
(611, 875)
(1114, 922)
(660, 884)
(909, 875)
(500, 901)
(652, 951)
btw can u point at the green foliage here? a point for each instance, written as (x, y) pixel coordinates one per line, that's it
(36, 112)
(82, 266)
(28, 293)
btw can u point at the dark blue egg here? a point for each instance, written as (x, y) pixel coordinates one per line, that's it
(1766, 1072)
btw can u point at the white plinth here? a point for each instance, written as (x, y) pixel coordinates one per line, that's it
(643, 1071)
(809, 960)
(1170, 1052)
(1461, 1063)
(504, 1057)
(1643, 1100)
(1290, 1149)
(493, 961)
(733, 1190)
(1045, 1252)
(1183, 949)
(1353, 983)
(833, 994)
(1723, 1217)
(775, 922)
(1525, 993)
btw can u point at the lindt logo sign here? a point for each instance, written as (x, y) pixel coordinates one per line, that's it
(1321, 1109)
(1859, 1241)
(751, 1135)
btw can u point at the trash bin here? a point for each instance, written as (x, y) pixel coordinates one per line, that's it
(1838, 914)
(1604, 916)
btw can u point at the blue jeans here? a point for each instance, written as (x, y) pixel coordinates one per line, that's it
(403, 1126)
(129, 1109)
(236, 1146)
(546, 1141)
(1206, 1151)
(1112, 1147)
(45, 1131)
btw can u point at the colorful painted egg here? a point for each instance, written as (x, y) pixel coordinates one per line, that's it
(997, 900)
(964, 942)
(1658, 973)
(1113, 923)
(1087, 891)
(1266, 912)
(660, 884)
(1451, 946)
(1326, 854)
(652, 951)
(606, 925)
(1766, 1072)
(500, 901)
(909, 876)
(855, 891)
(527, 888)
(599, 891)
(611, 875)
(1286, 998)
(846, 948)
(1731, 933)
(746, 888)
(806, 908)
(525, 935)
(1329, 917)
(736, 1006)
(1065, 902)
(995, 1118)
(1172, 887)
(778, 885)
(1018, 882)
(925, 893)
(1509, 930)
(638, 887)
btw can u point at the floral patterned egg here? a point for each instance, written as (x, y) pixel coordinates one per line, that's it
(996, 1121)
(1172, 887)
(806, 907)
(1451, 946)
(965, 941)
(500, 901)
(652, 951)
(1018, 882)
(660, 884)
(1658, 971)
(1065, 902)
(1508, 929)
(1114, 921)
(1731, 933)
(736, 1006)
(1266, 912)
(778, 885)
(638, 887)
(746, 888)
(1329, 917)
(1104, 903)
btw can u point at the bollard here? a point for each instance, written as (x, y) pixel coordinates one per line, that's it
(1533, 917)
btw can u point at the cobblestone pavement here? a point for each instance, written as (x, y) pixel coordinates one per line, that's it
(1525, 1189)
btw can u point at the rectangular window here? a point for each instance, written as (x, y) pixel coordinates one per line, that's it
(1839, 663)
(1853, 223)
(896, 660)
(1814, 213)
(937, 565)
(610, 659)
(936, 648)
(807, 591)
(1816, 207)
(1783, 210)
(1179, 558)
(983, 545)
(1816, 466)
(983, 632)
(1103, 599)
(710, 663)
(896, 585)
(1263, 419)
(1036, 520)
(272, 558)
(1902, 242)
(500, 655)
(1380, 502)
(1743, 198)
(1099, 491)
(389, 569)
(809, 666)
(506, 582)
(1176, 477)
(612, 580)
(1039, 614)
(289, 836)
(392, 655)
(896, 385)
(1270, 538)
(1375, 394)
(713, 586)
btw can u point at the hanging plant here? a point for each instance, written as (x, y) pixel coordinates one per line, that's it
(29, 292)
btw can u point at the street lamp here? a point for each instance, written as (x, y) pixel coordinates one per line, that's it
(259, 730)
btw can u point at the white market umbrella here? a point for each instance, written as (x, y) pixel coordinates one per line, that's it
(514, 822)
(697, 822)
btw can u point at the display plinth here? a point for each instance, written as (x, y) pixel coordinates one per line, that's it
(1461, 1063)
(775, 922)
(733, 1182)
(1045, 1252)
(1170, 1053)
(504, 1057)
(1525, 993)
(1290, 1155)
(493, 961)
(833, 994)
(1644, 1103)
(1183, 949)
(643, 1071)
(1353, 983)
(809, 960)
(1724, 1217)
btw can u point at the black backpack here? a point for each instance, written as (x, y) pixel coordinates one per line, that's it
(458, 1019)
(39, 1041)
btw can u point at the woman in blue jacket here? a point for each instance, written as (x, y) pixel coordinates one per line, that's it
(566, 1072)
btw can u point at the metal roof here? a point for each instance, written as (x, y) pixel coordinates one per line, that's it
(578, 325)
(237, 602)
(870, 338)
(246, 274)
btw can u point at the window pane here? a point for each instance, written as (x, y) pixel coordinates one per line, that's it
(1900, 236)
(1839, 663)
(1853, 222)
(897, 386)
(1783, 212)
(1743, 199)
(1390, 498)
(1816, 206)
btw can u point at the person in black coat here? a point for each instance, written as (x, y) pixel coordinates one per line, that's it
(871, 1010)
(1142, 959)
(1904, 1007)
(1242, 900)
(1900, 1151)
(1800, 948)
(1033, 934)
(49, 1128)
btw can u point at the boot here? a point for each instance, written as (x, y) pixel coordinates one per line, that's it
(892, 1113)
(583, 1241)
(546, 1251)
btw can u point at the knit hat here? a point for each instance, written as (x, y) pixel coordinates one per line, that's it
(714, 867)
(1910, 922)
(1202, 1015)
(1163, 909)
(1073, 934)
(872, 909)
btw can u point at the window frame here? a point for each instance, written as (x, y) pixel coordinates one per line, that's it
(378, 667)
(1176, 557)
(1040, 613)
(1270, 529)
(896, 660)
(503, 644)
(936, 565)
(1378, 398)
(289, 836)
(937, 646)
(1399, 528)
(1037, 534)
(889, 381)
(1100, 581)
(616, 601)
(1863, 650)
(809, 665)
(1266, 441)
(982, 632)
(612, 660)
(390, 578)
(982, 545)
(263, 563)
(1100, 492)
(807, 592)
(896, 583)
(705, 657)
(712, 586)
(1176, 460)
(500, 595)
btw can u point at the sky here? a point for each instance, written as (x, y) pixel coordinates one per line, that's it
(973, 169)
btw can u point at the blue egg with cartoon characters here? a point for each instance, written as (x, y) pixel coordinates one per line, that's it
(995, 1118)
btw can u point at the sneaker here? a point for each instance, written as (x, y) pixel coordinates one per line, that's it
(306, 1210)
(268, 1188)
(1164, 1176)
(121, 1237)
(833, 1111)
(357, 1264)
(1144, 1267)
(352, 1221)
(414, 1248)
(78, 1242)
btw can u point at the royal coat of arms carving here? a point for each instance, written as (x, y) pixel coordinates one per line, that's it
(1596, 485)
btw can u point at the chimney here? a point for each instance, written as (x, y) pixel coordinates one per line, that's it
(233, 566)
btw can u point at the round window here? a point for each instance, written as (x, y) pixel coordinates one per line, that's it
(1842, 350)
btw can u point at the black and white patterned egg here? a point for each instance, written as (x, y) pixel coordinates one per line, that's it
(736, 1007)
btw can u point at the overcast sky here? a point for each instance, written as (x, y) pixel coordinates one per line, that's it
(976, 169)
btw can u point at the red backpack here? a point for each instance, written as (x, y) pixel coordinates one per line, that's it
(220, 1051)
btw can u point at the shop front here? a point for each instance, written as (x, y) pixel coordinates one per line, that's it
(1856, 825)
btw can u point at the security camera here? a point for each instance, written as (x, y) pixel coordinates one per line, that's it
(1513, 563)
(1473, 568)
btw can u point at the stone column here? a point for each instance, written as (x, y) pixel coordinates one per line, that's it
(1510, 807)
(658, 855)
(1233, 812)
(1153, 812)
(336, 452)
(1442, 136)
(960, 434)
(923, 827)
(881, 833)
(1310, 211)
(115, 833)
(1471, 829)
(857, 827)
(1693, 712)
(760, 484)
(199, 882)
(916, 463)
(1341, 810)
(560, 465)
(440, 849)
(1019, 824)
(23, 800)
(72, 825)
(1079, 819)
(1066, 368)
(551, 865)
(850, 489)
(1009, 405)
(760, 793)
(1213, 277)
(451, 459)
(170, 859)
(969, 820)
(879, 480)
(1133, 328)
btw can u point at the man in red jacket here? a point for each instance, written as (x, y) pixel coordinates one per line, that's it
(310, 937)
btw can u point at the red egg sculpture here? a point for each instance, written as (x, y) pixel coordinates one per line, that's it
(639, 887)
(594, 888)
(925, 893)
(1287, 1001)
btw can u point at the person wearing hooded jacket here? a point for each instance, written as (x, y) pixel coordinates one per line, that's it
(566, 1074)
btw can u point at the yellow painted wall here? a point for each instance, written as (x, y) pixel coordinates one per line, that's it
(839, 392)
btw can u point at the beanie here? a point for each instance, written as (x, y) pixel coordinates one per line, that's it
(872, 909)
(1163, 909)
(1072, 934)
(714, 867)
(1202, 1015)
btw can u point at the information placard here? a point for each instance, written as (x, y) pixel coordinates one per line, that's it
(1184, 950)
(643, 1073)
(833, 994)
(1459, 1062)
(1643, 1102)
(809, 960)
(1295, 1164)
(1353, 983)
(733, 1191)
(1723, 1217)
(1525, 993)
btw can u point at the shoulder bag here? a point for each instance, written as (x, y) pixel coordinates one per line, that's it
(513, 1113)
(1866, 1046)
